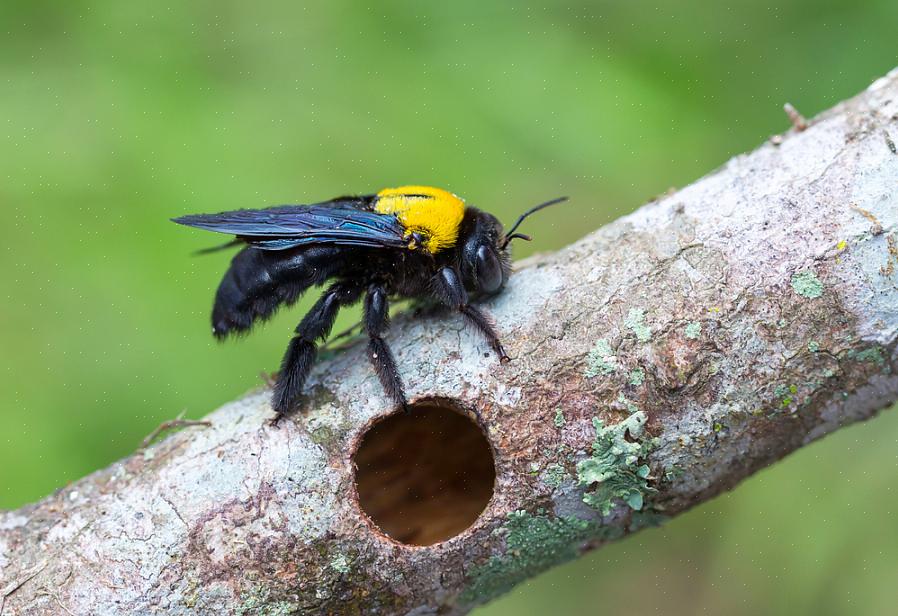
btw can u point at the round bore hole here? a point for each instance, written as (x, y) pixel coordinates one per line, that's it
(425, 476)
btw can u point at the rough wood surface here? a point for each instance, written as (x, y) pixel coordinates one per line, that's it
(657, 362)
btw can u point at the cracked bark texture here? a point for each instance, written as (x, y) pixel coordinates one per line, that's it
(711, 332)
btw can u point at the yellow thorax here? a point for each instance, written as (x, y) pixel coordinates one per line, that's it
(432, 212)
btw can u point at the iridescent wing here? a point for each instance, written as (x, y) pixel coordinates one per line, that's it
(343, 221)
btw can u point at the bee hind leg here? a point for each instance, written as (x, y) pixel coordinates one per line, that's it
(377, 319)
(303, 349)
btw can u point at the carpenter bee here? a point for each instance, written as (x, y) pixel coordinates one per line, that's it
(407, 242)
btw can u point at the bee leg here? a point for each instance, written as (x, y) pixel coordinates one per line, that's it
(377, 319)
(452, 293)
(303, 348)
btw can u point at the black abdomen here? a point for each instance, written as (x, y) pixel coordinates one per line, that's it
(259, 281)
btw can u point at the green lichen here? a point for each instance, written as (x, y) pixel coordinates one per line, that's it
(614, 466)
(637, 377)
(786, 394)
(257, 602)
(631, 407)
(635, 322)
(559, 418)
(813, 346)
(693, 330)
(601, 360)
(340, 563)
(674, 472)
(807, 285)
(873, 355)
(533, 543)
(554, 475)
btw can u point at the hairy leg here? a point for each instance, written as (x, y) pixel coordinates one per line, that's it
(377, 320)
(452, 292)
(303, 348)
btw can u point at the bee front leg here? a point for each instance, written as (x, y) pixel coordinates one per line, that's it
(452, 293)
(377, 319)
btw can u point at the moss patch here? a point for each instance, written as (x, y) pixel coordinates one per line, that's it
(874, 355)
(533, 543)
(613, 468)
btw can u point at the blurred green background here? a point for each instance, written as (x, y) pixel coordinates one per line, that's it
(115, 116)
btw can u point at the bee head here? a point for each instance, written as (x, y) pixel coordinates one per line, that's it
(485, 262)
(485, 255)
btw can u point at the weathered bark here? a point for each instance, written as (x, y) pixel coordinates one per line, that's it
(713, 331)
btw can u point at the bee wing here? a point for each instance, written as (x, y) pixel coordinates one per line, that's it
(288, 226)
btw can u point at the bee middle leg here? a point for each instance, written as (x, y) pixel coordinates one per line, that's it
(377, 319)
(303, 348)
(452, 293)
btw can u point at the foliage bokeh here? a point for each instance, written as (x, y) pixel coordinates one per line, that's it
(117, 115)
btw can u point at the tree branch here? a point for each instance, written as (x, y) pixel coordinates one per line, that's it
(656, 363)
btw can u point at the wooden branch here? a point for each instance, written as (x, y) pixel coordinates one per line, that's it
(656, 363)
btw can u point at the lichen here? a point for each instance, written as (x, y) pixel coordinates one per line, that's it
(601, 360)
(807, 285)
(257, 602)
(340, 563)
(785, 394)
(873, 355)
(637, 377)
(629, 404)
(635, 322)
(533, 543)
(554, 475)
(813, 346)
(614, 466)
(693, 330)
(559, 420)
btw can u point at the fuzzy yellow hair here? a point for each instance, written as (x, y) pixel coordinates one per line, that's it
(431, 212)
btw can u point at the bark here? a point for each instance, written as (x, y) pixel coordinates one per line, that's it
(656, 363)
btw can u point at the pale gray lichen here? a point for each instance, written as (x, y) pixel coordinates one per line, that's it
(807, 285)
(613, 468)
(635, 322)
(637, 377)
(693, 330)
(601, 360)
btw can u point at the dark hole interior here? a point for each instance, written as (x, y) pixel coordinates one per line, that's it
(424, 477)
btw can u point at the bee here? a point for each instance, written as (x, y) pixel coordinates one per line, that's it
(415, 242)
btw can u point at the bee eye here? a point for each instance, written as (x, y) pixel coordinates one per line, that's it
(488, 270)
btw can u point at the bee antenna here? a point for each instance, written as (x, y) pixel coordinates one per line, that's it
(510, 235)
